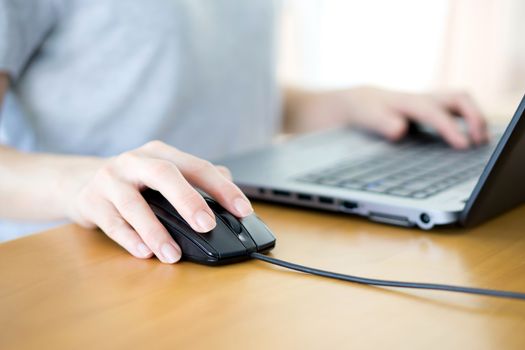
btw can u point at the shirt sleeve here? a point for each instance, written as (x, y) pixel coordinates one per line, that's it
(24, 25)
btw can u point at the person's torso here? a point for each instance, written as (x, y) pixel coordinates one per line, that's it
(113, 74)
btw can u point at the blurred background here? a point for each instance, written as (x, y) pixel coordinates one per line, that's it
(413, 45)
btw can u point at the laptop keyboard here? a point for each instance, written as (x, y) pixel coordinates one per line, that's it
(406, 171)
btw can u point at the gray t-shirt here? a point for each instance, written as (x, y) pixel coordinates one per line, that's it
(99, 77)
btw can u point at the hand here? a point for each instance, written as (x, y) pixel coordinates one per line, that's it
(386, 112)
(110, 197)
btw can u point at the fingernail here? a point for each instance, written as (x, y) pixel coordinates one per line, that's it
(243, 207)
(143, 250)
(171, 255)
(204, 221)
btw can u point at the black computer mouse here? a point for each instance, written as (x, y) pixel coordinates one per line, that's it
(232, 240)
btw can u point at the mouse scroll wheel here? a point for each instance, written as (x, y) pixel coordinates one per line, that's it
(232, 222)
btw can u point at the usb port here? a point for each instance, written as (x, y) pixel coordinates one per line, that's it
(304, 197)
(281, 193)
(326, 200)
(349, 205)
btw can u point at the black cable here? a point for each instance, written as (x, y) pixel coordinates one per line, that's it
(385, 283)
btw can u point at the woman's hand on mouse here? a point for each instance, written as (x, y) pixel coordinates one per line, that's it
(388, 112)
(108, 196)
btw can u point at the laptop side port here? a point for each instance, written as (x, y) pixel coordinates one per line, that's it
(304, 197)
(326, 200)
(391, 219)
(349, 205)
(281, 193)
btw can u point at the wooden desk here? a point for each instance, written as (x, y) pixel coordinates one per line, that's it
(72, 288)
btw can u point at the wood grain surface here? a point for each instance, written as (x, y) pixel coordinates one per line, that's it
(71, 288)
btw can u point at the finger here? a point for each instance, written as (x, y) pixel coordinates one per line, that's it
(204, 175)
(207, 177)
(465, 106)
(163, 176)
(134, 209)
(225, 172)
(115, 227)
(435, 116)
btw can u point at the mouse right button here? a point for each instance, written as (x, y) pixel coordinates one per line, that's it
(262, 236)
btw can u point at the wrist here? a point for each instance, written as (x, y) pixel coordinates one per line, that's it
(308, 110)
(75, 173)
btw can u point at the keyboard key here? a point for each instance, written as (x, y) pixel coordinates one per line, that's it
(376, 187)
(352, 184)
(400, 192)
(330, 181)
(420, 194)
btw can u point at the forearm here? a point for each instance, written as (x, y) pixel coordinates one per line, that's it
(307, 110)
(35, 186)
(39, 186)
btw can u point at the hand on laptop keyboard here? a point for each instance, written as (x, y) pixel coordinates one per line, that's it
(389, 113)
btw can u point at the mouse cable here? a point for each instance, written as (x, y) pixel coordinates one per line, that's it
(385, 283)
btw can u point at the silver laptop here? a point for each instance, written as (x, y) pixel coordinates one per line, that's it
(419, 181)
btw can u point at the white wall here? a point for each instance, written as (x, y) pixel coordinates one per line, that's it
(409, 44)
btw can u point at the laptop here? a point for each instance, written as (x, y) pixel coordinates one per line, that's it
(419, 181)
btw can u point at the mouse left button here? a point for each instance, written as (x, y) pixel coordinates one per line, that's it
(190, 244)
(232, 222)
